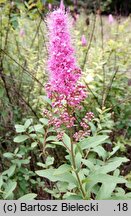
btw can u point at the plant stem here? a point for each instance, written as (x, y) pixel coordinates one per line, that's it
(89, 45)
(76, 172)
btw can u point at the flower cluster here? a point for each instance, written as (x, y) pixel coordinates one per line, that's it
(64, 87)
(81, 134)
(64, 74)
(64, 119)
(85, 127)
(110, 19)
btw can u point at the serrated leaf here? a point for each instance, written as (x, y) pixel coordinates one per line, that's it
(20, 138)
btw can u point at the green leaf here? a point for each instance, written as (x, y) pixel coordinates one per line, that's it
(33, 135)
(119, 191)
(62, 169)
(100, 151)
(88, 163)
(29, 196)
(51, 129)
(92, 142)
(1, 92)
(112, 165)
(93, 127)
(99, 110)
(34, 144)
(49, 161)
(41, 165)
(67, 141)
(1, 181)
(59, 143)
(49, 174)
(20, 128)
(44, 121)
(10, 187)
(37, 128)
(115, 149)
(53, 192)
(28, 123)
(106, 191)
(78, 159)
(11, 170)
(120, 198)
(51, 138)
(128, 185)
(103, 178)
(46, 98)
(8, 155)
(72, 196)
(21, 138)
(16, 150)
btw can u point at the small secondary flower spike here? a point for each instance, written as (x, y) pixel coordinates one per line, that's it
(110, 19)
(83, 40)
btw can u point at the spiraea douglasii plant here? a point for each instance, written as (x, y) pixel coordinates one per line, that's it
(68, 151)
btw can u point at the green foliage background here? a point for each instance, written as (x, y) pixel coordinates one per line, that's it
(29, 150)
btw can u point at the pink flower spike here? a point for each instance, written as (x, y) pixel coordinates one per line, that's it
(83, 40)
(110, 19)
(63, 88)
(62, 6)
